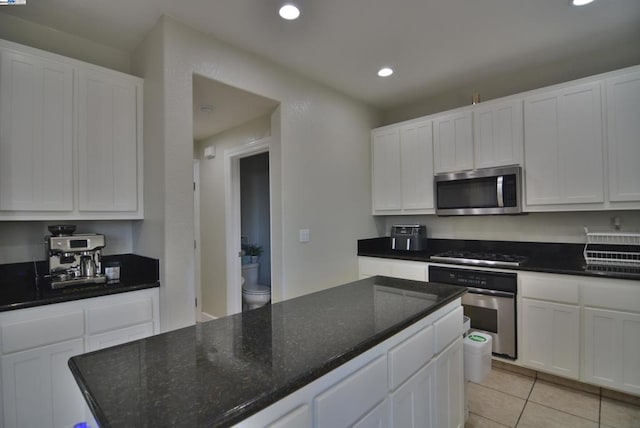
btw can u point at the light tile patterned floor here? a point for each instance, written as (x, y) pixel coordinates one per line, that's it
(522, 400)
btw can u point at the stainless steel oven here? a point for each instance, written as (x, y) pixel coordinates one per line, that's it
(490, 303)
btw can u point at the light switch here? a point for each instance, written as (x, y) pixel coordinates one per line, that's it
(304, 235)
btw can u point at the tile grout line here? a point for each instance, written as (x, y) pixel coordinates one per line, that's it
(526, 401)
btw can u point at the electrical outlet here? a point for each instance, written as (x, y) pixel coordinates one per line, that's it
(303, 235)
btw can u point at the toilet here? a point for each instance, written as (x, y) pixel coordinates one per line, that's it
(254, 295)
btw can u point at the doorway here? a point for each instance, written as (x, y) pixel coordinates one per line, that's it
(248, 216)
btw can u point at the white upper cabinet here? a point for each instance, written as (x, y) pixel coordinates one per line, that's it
(416, 156)
(108, 146)
(563, 148)
(386, 170)
(36, 126)
(498, 134)
(452, 142)
(403, 169)
(70, 139)
(623, 141)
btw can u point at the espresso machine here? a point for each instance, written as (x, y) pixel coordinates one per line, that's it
(74, 259)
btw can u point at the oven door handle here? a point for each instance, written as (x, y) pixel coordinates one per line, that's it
(495, 293)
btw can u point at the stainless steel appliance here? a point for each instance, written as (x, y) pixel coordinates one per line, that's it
(490, 303)
(409, 237)
(74, 259)
(479, 258)
(479, 192)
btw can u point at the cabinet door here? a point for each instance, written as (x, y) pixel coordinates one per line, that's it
(412, 405)
(377, 418)
(387, 185)
(498, 134)
(563, 146)
(623, 129)
(612, 346)
(449, 384)
(36, 107)
(550, 337)
(452, 142)
(108, 140)
(416, 150)
(38, 388)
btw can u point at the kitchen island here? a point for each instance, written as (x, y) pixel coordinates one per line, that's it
(324, 359)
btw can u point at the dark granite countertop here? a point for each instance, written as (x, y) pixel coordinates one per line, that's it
(221, 372)
(558, 258)
(20, 289)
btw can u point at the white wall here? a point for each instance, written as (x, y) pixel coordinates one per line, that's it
(212, 210)
(535, 227)
(323, 158)
(45, 38)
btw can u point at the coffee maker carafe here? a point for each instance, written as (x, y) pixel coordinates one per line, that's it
(74, 259)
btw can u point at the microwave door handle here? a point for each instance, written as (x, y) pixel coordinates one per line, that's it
(500, 193)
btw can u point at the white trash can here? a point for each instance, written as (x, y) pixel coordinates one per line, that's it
(477, 356)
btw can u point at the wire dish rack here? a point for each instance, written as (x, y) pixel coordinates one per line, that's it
(612, 249)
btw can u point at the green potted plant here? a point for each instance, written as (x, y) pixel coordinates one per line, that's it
(255, 251)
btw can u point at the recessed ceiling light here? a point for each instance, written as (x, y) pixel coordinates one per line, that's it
(581, 2)
(289, 11)
(385, 72)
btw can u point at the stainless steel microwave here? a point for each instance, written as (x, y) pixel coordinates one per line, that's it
(479, 192)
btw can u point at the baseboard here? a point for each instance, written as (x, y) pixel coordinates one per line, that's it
(206, 317)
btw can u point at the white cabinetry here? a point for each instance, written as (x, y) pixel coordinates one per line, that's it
(371, 266)
(413, 403)
(551, 324)
(623, 145)
(108, 147)
(403, 169)
(563, 148)
(498, 134)
(398, 383)
(36, 133)
(612, 334)
(386, 179)
(38, 388)
(70, 139)
(452, 142)
(449, 375)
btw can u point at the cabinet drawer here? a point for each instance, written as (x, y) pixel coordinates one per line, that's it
(40, 332)
(407, 357)
(118, 337)
(612, 294)
(119, 315)
(550, 287)
(447, 329)
(362, 390)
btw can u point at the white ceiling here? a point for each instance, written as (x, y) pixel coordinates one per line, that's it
(433, 45)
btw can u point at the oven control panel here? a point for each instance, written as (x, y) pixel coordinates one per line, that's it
(497, 281)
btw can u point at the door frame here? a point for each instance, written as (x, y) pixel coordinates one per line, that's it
(233, 216)
(196, 238)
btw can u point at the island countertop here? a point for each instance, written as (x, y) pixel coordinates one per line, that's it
(221, 372)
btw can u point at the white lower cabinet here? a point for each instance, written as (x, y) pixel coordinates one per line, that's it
(38, 389)
(551, 337)
(449, 375)
(372, 266)
(398, 383)
(412, 404)
(612, 349)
